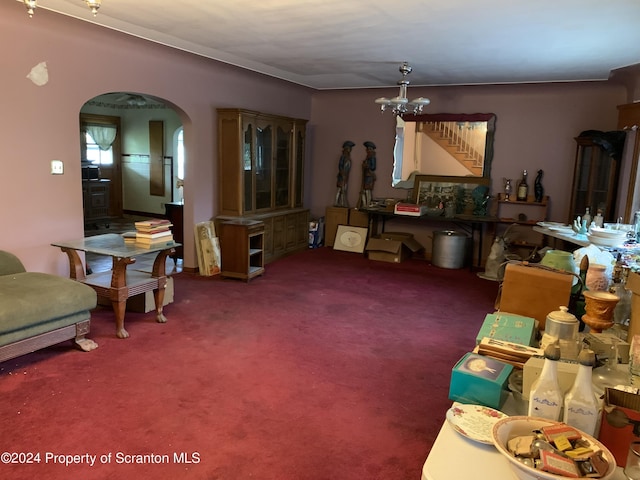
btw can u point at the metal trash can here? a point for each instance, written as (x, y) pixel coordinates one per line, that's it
(449, 249)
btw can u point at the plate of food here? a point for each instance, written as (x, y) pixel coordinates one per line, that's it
(474, 421)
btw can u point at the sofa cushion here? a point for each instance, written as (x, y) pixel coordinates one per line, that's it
(32, 298)
(9, 263)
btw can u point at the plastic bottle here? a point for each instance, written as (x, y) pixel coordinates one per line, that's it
(523, 188)
(546, 397)
(580, 402)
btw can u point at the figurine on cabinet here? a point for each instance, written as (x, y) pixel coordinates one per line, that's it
(368, 174)
(538, 189)
(344, 166)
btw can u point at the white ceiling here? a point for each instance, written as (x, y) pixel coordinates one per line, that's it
(328, 44)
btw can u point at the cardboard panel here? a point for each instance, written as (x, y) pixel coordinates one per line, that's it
(534, 292)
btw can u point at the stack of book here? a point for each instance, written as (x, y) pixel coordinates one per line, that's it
(508, 352)
(153, 233)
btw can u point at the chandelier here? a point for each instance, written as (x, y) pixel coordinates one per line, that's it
(401, 104)
(31, 5)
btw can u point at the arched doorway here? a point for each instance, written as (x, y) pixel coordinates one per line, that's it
(131, 144)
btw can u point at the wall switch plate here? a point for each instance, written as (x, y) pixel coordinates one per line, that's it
(57, 167)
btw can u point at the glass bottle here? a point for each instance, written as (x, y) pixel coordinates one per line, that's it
(599, 219)
(587, 217)
(580, 403)
(523, 188)
(545, 398)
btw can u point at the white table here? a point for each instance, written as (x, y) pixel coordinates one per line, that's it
(574, 238)
(454, 457)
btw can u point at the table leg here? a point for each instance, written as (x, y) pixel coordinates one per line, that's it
(159, 272)
(76, 269)
(119, 292)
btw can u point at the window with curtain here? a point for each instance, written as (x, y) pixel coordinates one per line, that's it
(99, 140)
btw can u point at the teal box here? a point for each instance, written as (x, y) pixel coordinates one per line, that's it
(509, 328)
(480, 380)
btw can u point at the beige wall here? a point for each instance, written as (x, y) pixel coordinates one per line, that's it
(535, 124)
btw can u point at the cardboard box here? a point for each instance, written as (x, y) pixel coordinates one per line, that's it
(392, 247)
(508, 327)
(358, 218)
(567, 371)
(601, 344)
(410, 209)
(620, 423)
(477, 379)
(534, 292)
(144, 302)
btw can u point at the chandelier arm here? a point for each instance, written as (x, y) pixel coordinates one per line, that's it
(401, 104)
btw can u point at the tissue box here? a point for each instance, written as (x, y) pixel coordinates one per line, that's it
(481, 380)
(508, 327)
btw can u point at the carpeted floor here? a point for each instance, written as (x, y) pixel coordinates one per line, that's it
(330, 366)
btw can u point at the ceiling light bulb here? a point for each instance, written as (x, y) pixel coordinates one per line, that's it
(31, 6)
(94, 5)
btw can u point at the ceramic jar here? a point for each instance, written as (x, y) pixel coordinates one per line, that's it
(560, 260)
(597, 279)
(562, 327)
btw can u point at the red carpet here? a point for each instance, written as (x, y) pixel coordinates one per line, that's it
(330, 366)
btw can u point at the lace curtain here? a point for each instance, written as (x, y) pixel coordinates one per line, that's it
(103, 135)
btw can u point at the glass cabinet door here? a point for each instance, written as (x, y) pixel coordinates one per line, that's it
(247, 167)
(282, 165)
(263, 166)
(299, 166)
(595, 181)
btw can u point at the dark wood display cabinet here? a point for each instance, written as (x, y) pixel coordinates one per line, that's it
(174, 213)
(95, 202)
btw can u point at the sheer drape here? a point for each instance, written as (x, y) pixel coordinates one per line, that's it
(103, 135)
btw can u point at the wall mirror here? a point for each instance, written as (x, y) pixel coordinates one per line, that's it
(449, 144)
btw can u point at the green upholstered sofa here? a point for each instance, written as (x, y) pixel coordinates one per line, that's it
(39, 309)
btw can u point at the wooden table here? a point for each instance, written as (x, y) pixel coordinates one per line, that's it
(118, 284)
(469, 223)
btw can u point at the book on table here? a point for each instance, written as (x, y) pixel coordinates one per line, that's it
(153, 226)
(154, 222)
(153, 243)
(160, 234)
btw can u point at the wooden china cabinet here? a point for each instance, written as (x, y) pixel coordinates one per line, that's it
(595, 180)
(261, 160)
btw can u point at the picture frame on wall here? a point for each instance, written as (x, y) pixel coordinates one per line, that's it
(469, 195)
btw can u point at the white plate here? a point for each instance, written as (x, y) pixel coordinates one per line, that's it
(474, 421)
(551, 224)
(562, 229)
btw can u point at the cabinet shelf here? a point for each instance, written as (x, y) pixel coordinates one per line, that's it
(241, 247)
(519, 211)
